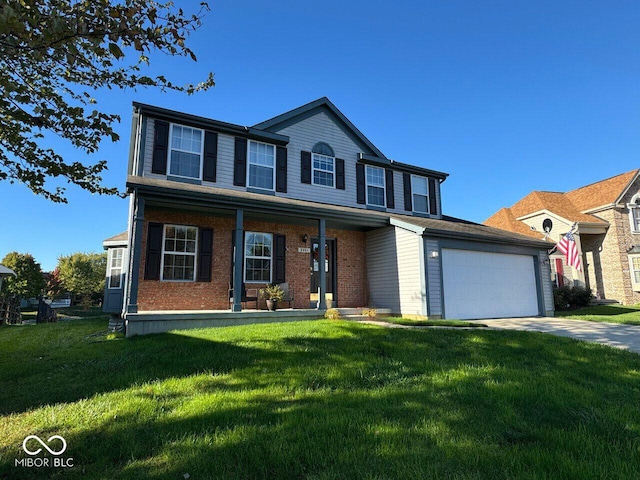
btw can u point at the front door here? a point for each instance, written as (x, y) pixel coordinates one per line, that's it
(330, 272)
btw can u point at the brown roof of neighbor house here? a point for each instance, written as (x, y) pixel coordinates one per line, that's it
(570, 205)
(506, 220)
(555, 202)
(604, 192)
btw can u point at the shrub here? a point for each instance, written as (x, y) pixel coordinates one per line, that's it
(332, 314)
(566, 298)
(370, 312)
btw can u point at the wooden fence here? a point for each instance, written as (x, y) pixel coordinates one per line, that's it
(10, 310)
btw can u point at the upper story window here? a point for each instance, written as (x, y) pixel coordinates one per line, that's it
(186, 152)
(375, 186)
(261, 171)
(179, 253)
(257, 257)
(634, 213)
(323, 165)
(420, 194)
(114, 275)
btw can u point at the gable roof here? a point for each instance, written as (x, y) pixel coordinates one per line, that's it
(604, 192)
(506, 220)
(555, 202)
(312, 108)
(573, 206)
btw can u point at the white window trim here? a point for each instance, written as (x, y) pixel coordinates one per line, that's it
(194, 254)
(244, 253)
(384, 187)
(170, 149)
(273, 186)
(632, 206)
(313, 169)
(111, 268)
(413, 207)
(635, 285)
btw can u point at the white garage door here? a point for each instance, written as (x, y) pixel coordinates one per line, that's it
(488, 285)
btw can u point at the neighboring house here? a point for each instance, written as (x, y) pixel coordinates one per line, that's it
(606, 215)
(219, 208)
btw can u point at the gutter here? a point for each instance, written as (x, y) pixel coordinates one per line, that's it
(202, 122)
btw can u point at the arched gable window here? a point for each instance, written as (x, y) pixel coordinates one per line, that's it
(323, 165)
(634, 213)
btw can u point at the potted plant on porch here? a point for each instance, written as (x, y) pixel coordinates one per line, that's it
(272, 294)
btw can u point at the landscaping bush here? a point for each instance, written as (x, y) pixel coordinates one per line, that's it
(567, 298)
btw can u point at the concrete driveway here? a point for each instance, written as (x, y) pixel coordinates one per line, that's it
(616, 335)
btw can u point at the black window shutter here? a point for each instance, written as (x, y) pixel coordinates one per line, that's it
(210, 156)
(408, 204)
(154, 252)
(240, 163)
(360, 183)
(279, 258)
(205, 254)
(305, 167)
(160, 147)
(433, 205)
(281, 169)
(391, 200)
(340, 184)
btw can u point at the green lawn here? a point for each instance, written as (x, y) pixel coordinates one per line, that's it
(629, 314)
(430, 323)
(319, 400)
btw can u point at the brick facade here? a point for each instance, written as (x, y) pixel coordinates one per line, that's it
(159, 295)
(611, 249)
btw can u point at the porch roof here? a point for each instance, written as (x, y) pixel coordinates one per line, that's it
(168, 193)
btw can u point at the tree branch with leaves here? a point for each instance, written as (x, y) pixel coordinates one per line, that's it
(54, 55)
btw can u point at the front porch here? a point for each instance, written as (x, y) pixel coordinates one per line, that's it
(147, 322)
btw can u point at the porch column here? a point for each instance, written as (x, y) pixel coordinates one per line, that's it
(322, 275)
(237, 262)
(135, 251)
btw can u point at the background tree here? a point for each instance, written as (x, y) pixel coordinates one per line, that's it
(28, 282)
(54, 55)
(54, 285)
(83, 274)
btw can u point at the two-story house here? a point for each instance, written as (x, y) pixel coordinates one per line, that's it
(303, 199)
(605, 216)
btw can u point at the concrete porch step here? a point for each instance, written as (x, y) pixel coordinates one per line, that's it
(604, 301)
(347, 312)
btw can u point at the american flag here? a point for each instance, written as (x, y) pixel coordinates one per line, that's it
(567, 245)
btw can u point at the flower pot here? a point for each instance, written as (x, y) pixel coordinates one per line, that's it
(272, 305)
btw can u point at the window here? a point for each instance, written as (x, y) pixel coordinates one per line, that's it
(186, 151)
(257, 257)
(634, 214)
(261, 171)
(375, 186)
(634, 270)
(179, 253)
(420, 194)
(116, 257)
(323, 170)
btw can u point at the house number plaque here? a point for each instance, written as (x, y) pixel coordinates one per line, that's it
(304, 250)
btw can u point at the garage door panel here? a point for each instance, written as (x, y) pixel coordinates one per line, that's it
(488, 285)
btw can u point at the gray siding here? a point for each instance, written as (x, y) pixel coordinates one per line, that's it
(547, 287)
(393, 270)
(303, 136)
(434, 282)
(410, 275)
(382, 271)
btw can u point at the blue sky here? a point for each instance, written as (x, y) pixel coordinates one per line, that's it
(506, 97)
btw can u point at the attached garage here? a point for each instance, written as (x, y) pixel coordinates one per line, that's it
(488, 285)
